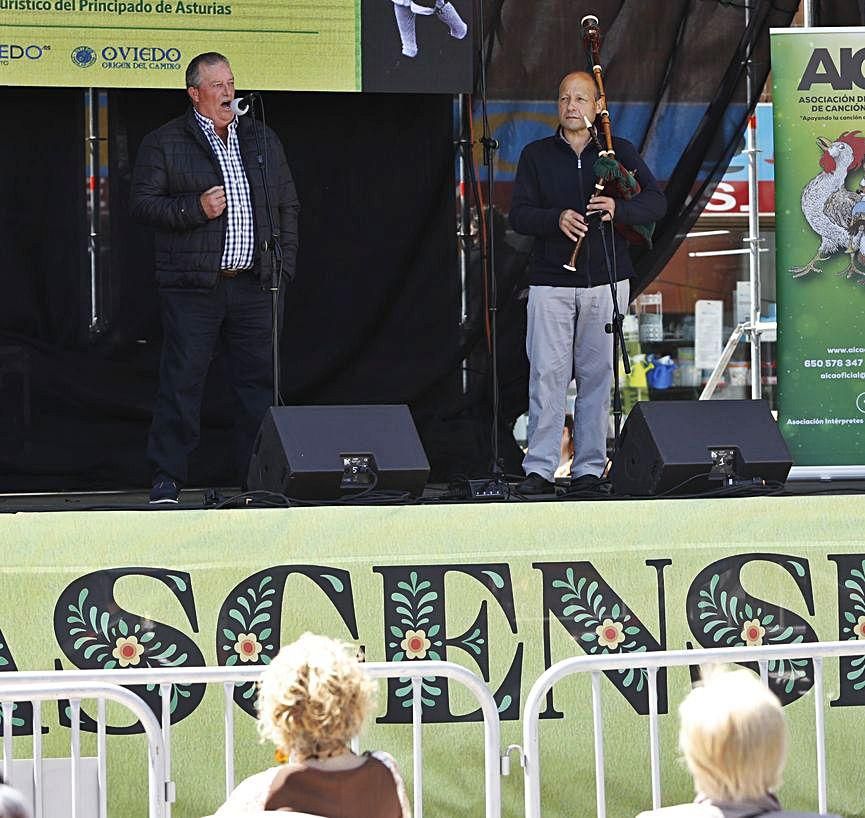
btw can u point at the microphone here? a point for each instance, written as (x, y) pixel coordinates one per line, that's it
(241, 105)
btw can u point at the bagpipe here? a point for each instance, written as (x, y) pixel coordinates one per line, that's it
(611, 177)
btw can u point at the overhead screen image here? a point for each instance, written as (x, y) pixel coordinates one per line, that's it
(417, 46)
(333, 45)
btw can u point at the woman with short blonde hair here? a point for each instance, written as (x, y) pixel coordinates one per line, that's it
(733, 737)
(313, 699)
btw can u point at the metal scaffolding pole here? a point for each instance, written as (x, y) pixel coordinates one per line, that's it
(753, 232)
(93, 190)
(753, 327)
(464, 227)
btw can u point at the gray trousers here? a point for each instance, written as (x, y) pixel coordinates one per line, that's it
(565, 340)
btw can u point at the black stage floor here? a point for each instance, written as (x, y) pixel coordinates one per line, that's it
(434, 494)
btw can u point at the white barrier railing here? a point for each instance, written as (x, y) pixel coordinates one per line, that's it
(651, 662)
(71, 684)
(76, 685)
(38, 691)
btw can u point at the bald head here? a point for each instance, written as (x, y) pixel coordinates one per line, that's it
(585, 76)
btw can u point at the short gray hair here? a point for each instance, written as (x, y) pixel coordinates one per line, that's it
(193, 70)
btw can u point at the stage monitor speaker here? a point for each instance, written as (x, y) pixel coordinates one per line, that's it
(687, 447)
(327, 452)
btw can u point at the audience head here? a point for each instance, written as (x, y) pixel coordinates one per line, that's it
(733, 736)
(12, 804)
(313, 698)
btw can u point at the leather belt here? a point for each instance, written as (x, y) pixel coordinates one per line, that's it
(232, 272)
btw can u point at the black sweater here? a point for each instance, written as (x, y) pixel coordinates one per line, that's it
(551, 178)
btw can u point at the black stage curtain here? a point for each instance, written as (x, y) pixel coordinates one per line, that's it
(42, 215)
(839, 13)
(372, 316)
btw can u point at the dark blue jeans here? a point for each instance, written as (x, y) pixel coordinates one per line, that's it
(238, 311)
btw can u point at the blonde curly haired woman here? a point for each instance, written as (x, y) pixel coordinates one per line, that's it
(313, 699)
(733, 736)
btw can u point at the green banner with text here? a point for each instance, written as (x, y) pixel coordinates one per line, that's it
(819, 110)
(273, 45)
(503, 590)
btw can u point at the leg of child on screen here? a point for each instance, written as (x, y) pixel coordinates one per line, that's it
(406, 23)
(451, 18)
(406, 11)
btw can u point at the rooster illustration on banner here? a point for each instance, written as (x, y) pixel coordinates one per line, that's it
(835, 213)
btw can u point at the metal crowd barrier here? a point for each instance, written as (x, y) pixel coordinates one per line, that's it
(76, 685)
(106, 684)
(651, 662)
(49, 688)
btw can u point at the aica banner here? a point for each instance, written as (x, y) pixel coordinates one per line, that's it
(819, 105)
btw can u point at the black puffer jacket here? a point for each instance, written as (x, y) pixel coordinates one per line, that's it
(174, 166)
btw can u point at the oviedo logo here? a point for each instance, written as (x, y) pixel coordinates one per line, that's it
(83, 56)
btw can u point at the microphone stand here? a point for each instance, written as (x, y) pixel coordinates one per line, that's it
(271, 249)
(495, 487)
(615, 329)
(490, 146)
(615, 326)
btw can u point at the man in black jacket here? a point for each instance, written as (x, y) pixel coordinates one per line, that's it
(198, 183)
(568, 310)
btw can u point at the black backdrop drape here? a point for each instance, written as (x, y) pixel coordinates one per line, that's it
(839, 13)
(42, 214)
(372, 316)
(373, 311)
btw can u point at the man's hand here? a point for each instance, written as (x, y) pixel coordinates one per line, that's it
(572, 224)
(604, 204)
(213, 202)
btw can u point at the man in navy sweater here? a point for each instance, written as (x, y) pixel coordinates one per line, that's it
(568, 310)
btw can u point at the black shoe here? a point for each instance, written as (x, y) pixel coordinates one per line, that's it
(164, 490)
(588, 484)
(535, 484)
(423, 7)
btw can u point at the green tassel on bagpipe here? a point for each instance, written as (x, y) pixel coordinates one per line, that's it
(620, 183)
(618, 180)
